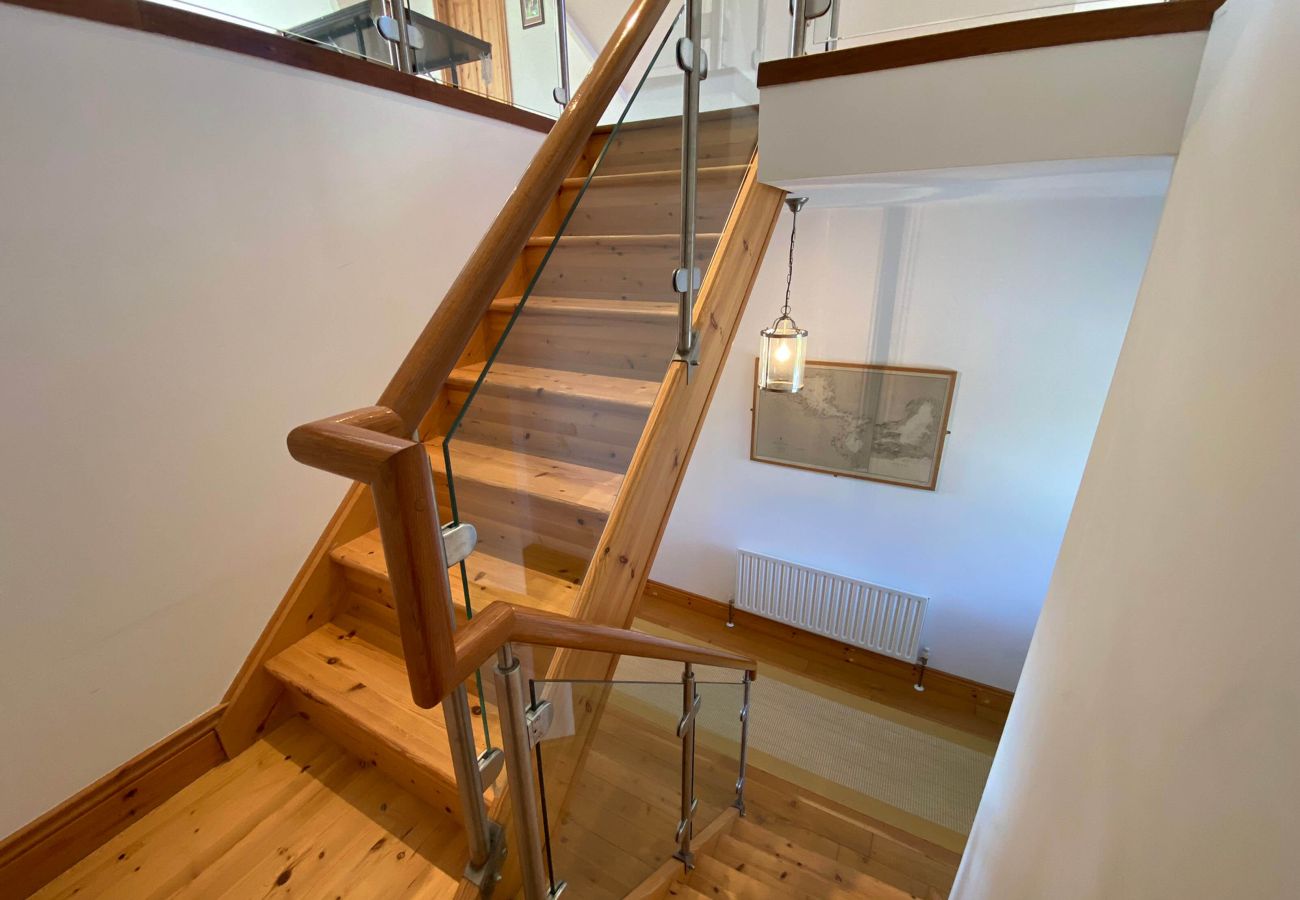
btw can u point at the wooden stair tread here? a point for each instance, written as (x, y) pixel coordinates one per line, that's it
(544, 579)
(344, 667)
(677, 889)
(672, 176)
(807, 860)
(803, 870)
(622, 240)
(573, 387)
(571, 484)
(774, 873)
(653, 310)
(715, 878)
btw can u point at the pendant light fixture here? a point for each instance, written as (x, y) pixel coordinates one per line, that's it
(783, 347)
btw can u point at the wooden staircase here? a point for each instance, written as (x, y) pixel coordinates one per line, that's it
(563, 390)
(537, 459)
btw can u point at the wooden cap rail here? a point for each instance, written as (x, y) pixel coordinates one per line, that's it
(1003, 37)
(352, 444)
(502, 622)
(430, 361)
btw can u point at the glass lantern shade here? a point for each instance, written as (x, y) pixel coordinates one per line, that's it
(781, 357)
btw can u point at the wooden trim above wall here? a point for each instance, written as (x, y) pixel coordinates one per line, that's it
(32, 856)
(196, 28)
(1003, 37)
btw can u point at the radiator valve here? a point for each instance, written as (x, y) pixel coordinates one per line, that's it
(922, 660)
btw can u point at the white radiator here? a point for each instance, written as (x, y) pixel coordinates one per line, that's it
(855, 612)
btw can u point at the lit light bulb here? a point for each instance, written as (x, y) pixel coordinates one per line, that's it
(782, 352)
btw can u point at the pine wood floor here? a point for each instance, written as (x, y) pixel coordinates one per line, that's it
(294, 815)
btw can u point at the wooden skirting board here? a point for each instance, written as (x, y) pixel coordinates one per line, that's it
(32, 856)
(196, 28)
(1003, 37)
(983, 702)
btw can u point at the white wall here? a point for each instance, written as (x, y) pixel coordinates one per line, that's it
(1028, 300)
(1152, 749)
(199, 251)
(1099, 100)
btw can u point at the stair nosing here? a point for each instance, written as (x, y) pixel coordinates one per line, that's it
(618, 179)
(648, 310)
(465, 377)
(545, 240)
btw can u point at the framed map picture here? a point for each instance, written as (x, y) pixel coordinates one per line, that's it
(881, 423)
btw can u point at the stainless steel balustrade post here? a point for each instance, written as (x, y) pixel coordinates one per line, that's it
(744, 746)
(799, 28)
(686, 731)
(401, 48)
(562, 94)
(833, 39)
(482, 834)
(511, 699)
(692, 59)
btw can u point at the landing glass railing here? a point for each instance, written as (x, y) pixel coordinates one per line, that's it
(840, 24)
(520, 52)
(631, 769)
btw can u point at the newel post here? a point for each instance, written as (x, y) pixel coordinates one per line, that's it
(407, 509)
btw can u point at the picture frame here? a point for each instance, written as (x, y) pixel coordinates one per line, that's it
(533, 12)
(874, 422)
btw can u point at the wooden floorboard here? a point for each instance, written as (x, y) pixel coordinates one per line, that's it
(291, 816)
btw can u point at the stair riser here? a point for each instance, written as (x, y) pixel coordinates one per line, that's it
(509, 520)
(723, 140)
(613, 270)
(546, 526)
(637, 349)
(650, 207)
(603, 438)
(379, 611)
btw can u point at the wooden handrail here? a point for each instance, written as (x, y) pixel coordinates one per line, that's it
(430, 361)
(352, 444)
(501, 623)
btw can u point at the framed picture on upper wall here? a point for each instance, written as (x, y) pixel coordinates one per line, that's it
(880, 423)
(533, 12)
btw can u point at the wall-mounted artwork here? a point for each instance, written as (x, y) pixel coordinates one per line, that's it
(532, 12)
(881, 423)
